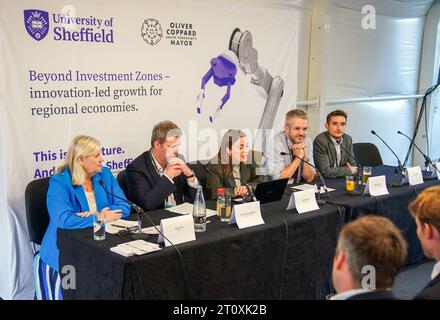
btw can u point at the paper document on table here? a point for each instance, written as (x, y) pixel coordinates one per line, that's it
(123, 251)
(149, 230)
(118, 225)
(306, 186)
(184, 208)
(187, 208)
(136, 247)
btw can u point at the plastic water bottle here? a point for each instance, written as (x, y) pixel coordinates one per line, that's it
(223, 205)
(199, 211)
(220, 200)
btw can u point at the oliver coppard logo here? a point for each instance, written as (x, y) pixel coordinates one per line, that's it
(151, 31)
(66, 26)
(37, 23)
(178, 33)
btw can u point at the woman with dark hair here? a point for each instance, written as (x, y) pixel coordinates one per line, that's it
(231, 168)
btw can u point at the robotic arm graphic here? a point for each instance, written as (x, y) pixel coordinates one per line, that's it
(223, 69)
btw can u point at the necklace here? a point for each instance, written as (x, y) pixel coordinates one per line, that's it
(88, 186)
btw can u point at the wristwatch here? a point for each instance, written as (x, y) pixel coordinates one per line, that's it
(192, 175)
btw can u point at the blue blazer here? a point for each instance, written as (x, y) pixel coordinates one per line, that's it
(64, 200)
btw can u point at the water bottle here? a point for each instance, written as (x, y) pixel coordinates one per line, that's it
(220, 200)
(98, 226)
(199, 211)
(222, 206)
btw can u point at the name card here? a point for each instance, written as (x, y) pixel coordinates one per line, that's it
(246, 215)
(413, 176)
(177, 230)
(376, 186)
(303, 201)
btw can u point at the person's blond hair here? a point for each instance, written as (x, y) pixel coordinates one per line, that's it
(295, 113)
(81, 146)
(375, 241)
(426, 207)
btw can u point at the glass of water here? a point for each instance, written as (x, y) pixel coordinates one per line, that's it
(366, 173)
(225, 211)
(98, 226)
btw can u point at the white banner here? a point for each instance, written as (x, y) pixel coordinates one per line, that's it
(114, 69)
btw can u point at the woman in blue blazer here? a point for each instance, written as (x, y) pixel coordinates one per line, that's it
(75, 194)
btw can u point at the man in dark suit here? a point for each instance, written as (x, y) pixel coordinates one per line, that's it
(369, 254)
(426, 211)
(328, 148)
(160, 178)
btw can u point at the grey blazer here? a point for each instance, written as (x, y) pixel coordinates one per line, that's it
(324, 154)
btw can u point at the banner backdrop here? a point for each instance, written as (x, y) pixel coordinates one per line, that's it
(114, 69)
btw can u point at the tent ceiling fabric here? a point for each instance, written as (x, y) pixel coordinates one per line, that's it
(302, 4)
(377, 62)
(391, 8)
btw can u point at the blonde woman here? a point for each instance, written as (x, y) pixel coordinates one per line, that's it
(75, 193)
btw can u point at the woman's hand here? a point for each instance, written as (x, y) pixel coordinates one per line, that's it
(240, 191)
(84, 214)
(111, 215)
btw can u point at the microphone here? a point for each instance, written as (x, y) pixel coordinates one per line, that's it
(399, 166)
(132, 204)
(320, 182)
(353, 157)
(248, 186)
(140, 235)
(427, 159)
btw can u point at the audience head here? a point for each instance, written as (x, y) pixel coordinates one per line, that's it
(426, 211)
(84, 159)
(368, 245)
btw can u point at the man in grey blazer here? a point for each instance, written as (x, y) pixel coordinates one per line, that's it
(328, 148)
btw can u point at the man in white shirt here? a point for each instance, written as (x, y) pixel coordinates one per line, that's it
(291, 146)
(369, 254)
(426, 211)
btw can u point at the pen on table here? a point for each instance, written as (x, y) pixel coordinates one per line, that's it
(118, 226)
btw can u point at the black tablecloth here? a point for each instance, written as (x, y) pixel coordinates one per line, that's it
(289, 257)
(393, 206)
(311, 246)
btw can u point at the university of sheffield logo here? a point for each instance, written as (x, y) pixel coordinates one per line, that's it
(36, 23)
